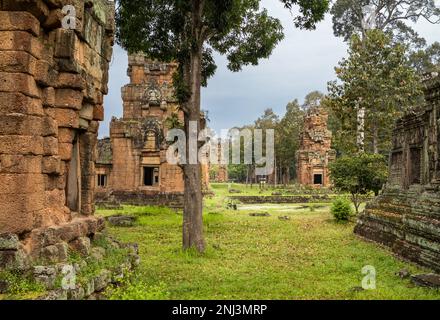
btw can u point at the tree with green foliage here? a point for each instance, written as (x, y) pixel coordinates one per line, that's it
(341, 209)
(188, 32)
(287, 140)
(238, 172)
(394, 17)
(268, 121)
(426, 60)
(312, 100)
(359, 175)
(378, 78)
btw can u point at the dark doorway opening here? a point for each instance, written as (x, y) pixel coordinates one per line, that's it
(148, 176)
(415, 166)
(317, 179)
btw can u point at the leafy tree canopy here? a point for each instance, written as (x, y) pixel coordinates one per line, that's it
(312, 100)
(359, 175)
(239, 29)
(394, 17)
(377, 77)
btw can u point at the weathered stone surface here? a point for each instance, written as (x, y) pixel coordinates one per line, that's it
(54, 295)
(315, 153)
(52, 165)
(81, 245)
(430, 280)
(17, 62)
(19, 21)
(52, 83)
(15, 102)
(9, 241)
(13, 259)
(121, 220)
(406, 216)
(20, 41)
(45, 275)
(55, 253)
(98, 113)
(36, 7)
(69, 98)
(76, 294)
(102, 280)
(89, 288)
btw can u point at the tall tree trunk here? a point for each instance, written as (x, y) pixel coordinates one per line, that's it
(361, 129)
(192, 172)
(287, 175)
(375, 139)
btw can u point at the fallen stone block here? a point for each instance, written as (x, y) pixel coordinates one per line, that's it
(121, 220)
(429, 280)
(262, 214)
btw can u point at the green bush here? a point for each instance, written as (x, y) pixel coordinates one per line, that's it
(341, 209)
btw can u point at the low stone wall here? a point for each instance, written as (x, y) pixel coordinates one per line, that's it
(408, 222)
(114, 199)
(280, 199)
(103, 261)
(47, 244)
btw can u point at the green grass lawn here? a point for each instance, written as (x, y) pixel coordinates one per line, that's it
(307, 257)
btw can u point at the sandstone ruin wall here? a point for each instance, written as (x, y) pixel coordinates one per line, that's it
(53, 76)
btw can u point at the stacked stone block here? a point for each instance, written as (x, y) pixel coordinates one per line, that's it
(52, 81)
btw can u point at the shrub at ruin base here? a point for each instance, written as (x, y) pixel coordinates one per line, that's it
(341, 209)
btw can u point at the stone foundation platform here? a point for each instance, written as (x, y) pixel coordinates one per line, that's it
(406, 221)
(114, 199)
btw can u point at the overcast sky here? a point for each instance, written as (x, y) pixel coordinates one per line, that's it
(303, 62)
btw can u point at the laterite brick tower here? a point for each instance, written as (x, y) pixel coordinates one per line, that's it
(52, 82)
(315, 153)
(132, 167)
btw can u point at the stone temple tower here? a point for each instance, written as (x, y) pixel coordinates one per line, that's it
(315, 153)
(132, 165)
